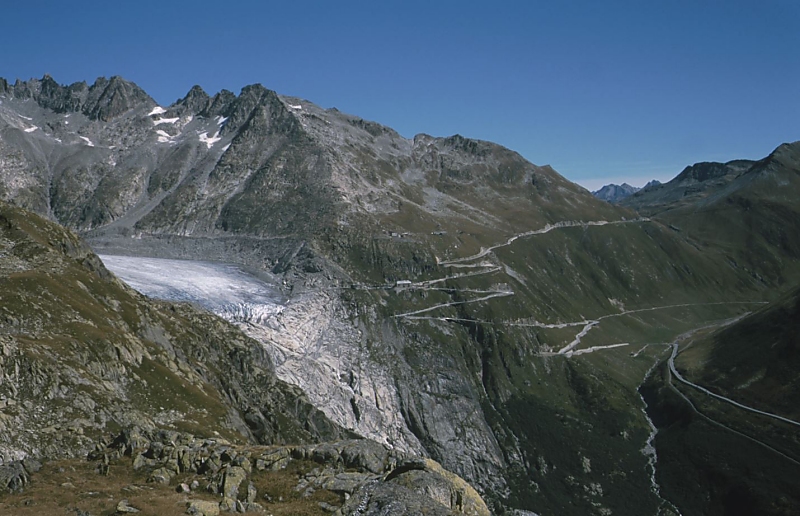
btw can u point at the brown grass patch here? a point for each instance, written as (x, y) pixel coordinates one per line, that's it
(65, 486)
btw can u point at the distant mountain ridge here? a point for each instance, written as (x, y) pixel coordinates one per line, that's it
(104, 100)
(693, 183)
(615, 193)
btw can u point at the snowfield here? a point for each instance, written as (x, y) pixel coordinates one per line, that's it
(224, 289)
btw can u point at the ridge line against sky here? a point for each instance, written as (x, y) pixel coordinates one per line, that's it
(602, 91)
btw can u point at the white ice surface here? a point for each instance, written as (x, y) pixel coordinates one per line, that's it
(165, 121)
(157, 111)
(87, 140)
(224, 289)
(31, 129)
(163, 137)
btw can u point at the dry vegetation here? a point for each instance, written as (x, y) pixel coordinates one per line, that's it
(74, 487)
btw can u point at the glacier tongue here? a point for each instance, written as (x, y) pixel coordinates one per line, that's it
(308, 337)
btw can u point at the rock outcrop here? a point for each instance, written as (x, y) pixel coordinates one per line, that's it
(369, 478)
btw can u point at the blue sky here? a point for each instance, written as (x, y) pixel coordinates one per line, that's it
(602, 91)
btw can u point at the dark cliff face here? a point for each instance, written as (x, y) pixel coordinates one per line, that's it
(453, 271)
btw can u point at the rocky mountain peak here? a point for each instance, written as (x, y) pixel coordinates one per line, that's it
(110, 98)
(703, 171)
(787, 156)
(221, 102)
(104, 100)
(615, 193)
(62, 99)
(196, 100)
(256, 105)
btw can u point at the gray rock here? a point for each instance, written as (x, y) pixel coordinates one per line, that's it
(31, 465)
(203, 508)
(232, 478)
(13, 476)
(161, 476)
(252, 492)
(124, 508)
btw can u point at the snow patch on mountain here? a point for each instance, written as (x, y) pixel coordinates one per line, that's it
(160, 121)
(164, 137)
(209, 140)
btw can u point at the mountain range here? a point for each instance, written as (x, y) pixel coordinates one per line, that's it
(442, 297)
(615, 193)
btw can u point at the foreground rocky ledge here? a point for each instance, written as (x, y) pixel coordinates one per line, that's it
(211, 476)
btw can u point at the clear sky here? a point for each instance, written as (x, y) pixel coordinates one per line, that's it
(601, 90)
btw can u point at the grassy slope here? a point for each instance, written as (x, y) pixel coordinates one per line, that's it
(754, 362)
(726, 251)
(67, 486)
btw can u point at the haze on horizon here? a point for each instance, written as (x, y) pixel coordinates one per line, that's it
(603, 92)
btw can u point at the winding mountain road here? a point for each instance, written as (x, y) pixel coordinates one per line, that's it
(549, 227)
(683, 380)
(725, 427)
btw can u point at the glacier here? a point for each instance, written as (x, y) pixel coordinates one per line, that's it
(222, 288)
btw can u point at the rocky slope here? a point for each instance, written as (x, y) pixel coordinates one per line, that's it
(444, 296)
(82, 355)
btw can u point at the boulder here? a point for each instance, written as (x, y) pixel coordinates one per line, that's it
(13, 476)
(124, 508)
(203, 508)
